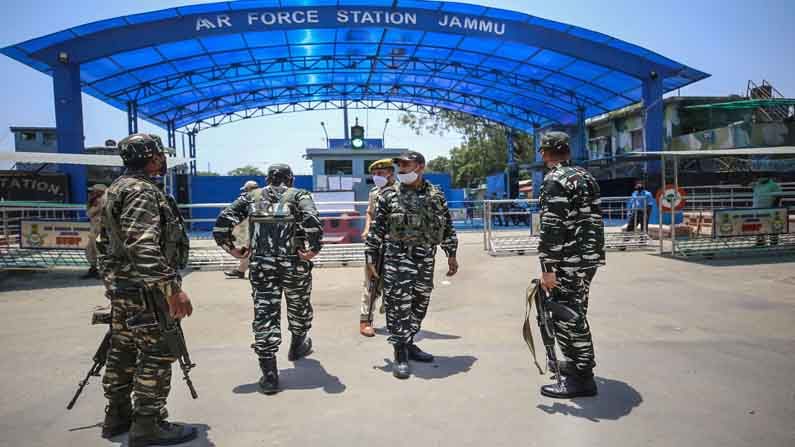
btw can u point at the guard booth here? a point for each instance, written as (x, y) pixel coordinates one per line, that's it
(690, 226)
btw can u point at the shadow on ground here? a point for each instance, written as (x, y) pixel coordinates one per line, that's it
(616, 399)
(53, 279)
(442, 367)
(306, 374)
(37, 280)
(423, 335)
(202, 439)
(771, 258)
(430, 335)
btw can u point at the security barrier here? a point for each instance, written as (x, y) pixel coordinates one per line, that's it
(706, 238)
(343, 224)
(13, 213)
(699, 239)
(511, 226)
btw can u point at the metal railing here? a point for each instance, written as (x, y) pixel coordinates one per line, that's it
(13, 214)
(700, 198)
(343, 224)
(695, 238)
(512, 226)
(508, 226)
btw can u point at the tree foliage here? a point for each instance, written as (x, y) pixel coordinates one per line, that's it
(207, 173)
(439, 164)
(482, 152)
(247, 170)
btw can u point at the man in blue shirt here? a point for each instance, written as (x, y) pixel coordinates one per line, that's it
(639, 208)
(522, 209)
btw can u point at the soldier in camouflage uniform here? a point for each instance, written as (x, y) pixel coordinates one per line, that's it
(410, 220)
(286, 234)
(383, 172)
(142, 244)
(570, 250)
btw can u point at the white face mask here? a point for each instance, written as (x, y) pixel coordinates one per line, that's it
(407, 178)
(380, 181)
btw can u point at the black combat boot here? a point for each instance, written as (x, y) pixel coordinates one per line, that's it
(235, 274)
(417, 354)
(152, 430)
(300, 346)
(578, 383)
(401, 368)
(118, 418)
(269, 382)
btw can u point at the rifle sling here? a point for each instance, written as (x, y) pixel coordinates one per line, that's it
(527, 327)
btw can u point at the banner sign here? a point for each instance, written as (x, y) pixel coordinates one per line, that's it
(267, 19)
(54, 234)
(750, 222)
(27, 186)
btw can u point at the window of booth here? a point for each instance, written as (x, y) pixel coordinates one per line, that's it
(339, 167)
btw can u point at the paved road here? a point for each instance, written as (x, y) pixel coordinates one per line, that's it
(689, 354)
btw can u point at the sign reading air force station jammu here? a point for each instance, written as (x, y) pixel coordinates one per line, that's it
(261, 20)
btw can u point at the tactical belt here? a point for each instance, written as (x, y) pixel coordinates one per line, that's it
(403, 239)
(412, 250)
(126, 289)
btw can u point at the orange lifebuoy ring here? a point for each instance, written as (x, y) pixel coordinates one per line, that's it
(669, 198)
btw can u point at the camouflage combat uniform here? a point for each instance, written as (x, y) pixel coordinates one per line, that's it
(372, 203)
(282, 220)
(410, 222)
(142, 244)
(572, 246)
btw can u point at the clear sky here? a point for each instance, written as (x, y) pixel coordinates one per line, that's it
(733, 40)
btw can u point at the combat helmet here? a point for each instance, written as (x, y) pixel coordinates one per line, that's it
(138, 148)
(280, 174)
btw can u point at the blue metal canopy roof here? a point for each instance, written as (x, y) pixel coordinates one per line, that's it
(211, 64)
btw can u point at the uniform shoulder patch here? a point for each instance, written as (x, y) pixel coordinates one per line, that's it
(297, 193)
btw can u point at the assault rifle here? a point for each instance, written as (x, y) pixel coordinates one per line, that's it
(170, 329)
(100, 357)
(548, 311)
(374, 284)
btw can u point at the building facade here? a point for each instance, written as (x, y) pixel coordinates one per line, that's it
(339, 167)
(35, 139)
(690, 123)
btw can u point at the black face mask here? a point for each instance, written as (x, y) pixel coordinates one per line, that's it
(638, 188)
